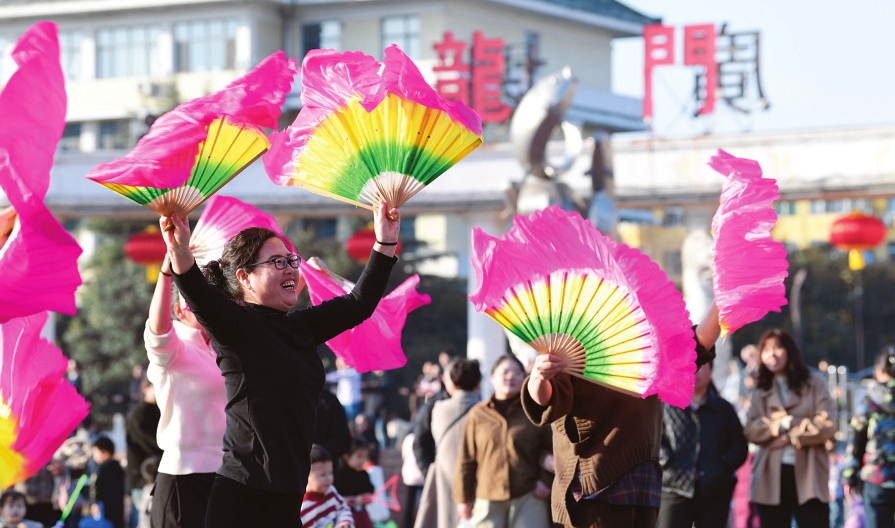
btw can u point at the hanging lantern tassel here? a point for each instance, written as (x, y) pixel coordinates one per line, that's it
(147, 248)
(856, 259)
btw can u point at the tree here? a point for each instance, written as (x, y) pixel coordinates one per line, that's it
(106, 335)
(827, 308)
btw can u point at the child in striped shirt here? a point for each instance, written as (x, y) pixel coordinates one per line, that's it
(322, 506)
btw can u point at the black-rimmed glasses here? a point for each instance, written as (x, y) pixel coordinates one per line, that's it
(280, 262)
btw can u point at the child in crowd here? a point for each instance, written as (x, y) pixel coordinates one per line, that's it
(13, 509)
(96, 519)
(354, 483)
(378, 511)
(322, 506)
(108, 481)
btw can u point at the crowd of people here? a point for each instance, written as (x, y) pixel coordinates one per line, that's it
(231, 425)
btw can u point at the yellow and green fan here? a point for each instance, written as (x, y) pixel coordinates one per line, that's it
(363, 136)
(229, 148)
(199, 146)
(564, 288)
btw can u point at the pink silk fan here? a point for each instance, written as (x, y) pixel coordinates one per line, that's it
(39, 258)
(223, 218)
(39, 408)
(374, 344)
(746, 289)
(199, 146)
(564, 288)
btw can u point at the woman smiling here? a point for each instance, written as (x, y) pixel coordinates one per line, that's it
(267, 354)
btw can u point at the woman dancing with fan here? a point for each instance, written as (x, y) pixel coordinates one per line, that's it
(268, 356)
(191, 395)
(606, 443)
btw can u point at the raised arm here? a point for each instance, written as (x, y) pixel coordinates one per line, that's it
(387, 225)
(178, 242)
(159, 322)
(546, 366)
(708, 331)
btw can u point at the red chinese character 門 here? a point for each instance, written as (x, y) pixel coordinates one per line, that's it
(659, 47)
(454, 87)
(487, 79)
(699, 50)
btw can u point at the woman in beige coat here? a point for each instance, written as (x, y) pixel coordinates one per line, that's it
(790, 418)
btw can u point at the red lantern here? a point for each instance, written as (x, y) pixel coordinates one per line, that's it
(856, 232)
(147, 248)
(359, 245)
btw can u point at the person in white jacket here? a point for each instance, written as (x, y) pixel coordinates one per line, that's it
(191, 396)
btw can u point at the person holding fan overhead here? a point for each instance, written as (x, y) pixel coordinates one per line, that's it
(267, 353)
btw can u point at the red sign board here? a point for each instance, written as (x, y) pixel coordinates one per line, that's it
(482, 77)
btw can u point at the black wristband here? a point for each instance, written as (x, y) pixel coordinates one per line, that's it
(165, 274)
(387, 243)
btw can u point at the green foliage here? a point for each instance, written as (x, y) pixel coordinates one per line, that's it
(828, 308)
(106, 335)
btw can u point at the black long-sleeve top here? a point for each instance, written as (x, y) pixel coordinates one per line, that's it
(273, 374)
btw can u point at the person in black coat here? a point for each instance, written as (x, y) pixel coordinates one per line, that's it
(107, 484)
(267, 353)
(332, 430)
(702, 447)
(140, 428)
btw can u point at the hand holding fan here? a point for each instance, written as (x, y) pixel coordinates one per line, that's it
(374, 344)
(746, 289)
(608, 310)
(39, 408)
(363, 137)
(195, 149)
(39, 258)
(223, 218)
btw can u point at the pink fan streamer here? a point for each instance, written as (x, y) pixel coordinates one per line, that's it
(375, 344)
(39, 259)
(33, 385)
(222, 219)
(746, 289)
(331, 80)
(164, 157)
(553, 240)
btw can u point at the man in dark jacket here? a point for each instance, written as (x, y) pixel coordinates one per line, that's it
(141, 426)
(702, 447)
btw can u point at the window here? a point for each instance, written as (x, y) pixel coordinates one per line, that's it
(325, 35)
(785, 208)
(71, 138)
(889, 213)
(127, 52)
(320, 227)
(205, 45)
(403, 31)
(818, 207)
(70, 54)
(112, 135)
